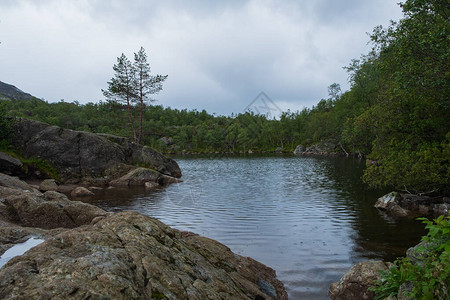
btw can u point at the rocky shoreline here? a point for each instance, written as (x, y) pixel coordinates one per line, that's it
(356, 283)
(90, 253)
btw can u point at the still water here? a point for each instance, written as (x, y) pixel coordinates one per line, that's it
(309, 218)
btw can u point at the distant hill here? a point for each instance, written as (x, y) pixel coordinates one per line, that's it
(10, 92)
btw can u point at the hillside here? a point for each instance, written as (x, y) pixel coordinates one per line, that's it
(10, 92)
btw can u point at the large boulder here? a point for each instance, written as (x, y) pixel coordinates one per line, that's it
(142, 177)
(132, 256)
(22, 205)
(355, 284)
(10, 165)
(299, 149)
(115, 256)
(13, 182)
(77, 154)
(407, 205)
(326, 147)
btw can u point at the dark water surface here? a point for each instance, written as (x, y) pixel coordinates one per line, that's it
(309, 218)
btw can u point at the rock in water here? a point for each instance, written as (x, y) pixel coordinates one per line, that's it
(48, 185)
(355, 284)
(81, 192)
(299, 149)
(131, 256)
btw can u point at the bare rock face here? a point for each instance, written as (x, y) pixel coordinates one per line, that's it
(355, 284)
(131, 256)
(79, 155)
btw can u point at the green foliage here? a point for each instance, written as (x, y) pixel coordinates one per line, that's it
(396, 112)
(37, 164)
(5, 127)
(409, 120)
(132, 85)
(431, 275)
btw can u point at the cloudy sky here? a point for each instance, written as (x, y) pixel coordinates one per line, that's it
(219, 55)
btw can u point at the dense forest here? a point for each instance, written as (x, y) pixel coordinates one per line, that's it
(396, 112)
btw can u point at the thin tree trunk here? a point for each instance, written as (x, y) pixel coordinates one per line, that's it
(141, 112)
(130, 118)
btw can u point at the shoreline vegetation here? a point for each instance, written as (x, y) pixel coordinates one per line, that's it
(395, 115)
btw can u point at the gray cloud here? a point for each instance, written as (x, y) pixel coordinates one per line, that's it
(218, 54)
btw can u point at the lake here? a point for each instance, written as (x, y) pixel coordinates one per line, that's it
(309, 218)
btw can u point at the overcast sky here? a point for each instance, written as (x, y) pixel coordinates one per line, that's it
(219, 55)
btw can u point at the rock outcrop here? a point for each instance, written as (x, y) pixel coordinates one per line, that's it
(47, 210)
(406, 205)
(10, 165)
(355, 284)
(83, 157)
(91, 254)
(299, 149)
(327, 147)
(131, 256)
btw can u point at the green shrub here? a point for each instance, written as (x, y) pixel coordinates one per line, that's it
(431, 275)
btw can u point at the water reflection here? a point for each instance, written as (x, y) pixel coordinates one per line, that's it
(308, 218)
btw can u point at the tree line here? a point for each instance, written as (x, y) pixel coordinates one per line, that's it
(395, 113)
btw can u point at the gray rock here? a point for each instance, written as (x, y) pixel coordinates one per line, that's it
(10, 165)
(48, 185)
(13, 182)
(140, 176)
(299, 149)
(387, 200)
(356, 282)
(131, 256)
(151, 185)
(81, 155)
(406, 205)
(47, 211)
(323, 147)
(81, 192)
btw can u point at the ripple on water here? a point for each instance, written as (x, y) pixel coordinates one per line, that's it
(308, 218)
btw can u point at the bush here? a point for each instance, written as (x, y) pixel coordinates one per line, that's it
(431, 275)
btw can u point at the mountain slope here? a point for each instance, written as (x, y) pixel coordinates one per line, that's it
(10, 92)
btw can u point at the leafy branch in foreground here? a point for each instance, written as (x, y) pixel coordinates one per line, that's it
(430, 275)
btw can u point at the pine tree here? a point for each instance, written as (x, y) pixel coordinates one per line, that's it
(132, 85)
